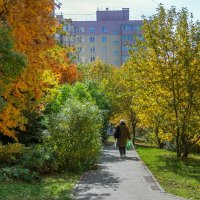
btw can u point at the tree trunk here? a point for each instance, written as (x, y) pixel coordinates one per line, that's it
(186, 152)
(160, 143)
(178, 145)
(186, 145)
(133, 124)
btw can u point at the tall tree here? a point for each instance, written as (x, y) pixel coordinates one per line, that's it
(11, 65)
(167, 67)
(33, 27)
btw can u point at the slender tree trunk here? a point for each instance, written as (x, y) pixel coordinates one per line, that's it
(186, 145)
(160, 143)
(186, 151)
(133, 124)
(178, 145)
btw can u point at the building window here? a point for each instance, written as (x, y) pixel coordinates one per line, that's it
(103, 29)
(127, 37)
(68, 27)
(125, 48)
(80, 39)
(116, 53)
(81, 29)
(130, 37)
(92, 59)
(92, 39)
(115, 42)
(127, 27)
(136, 27)
(104, 39)
(115, 32)
(92, 49)
(91, 29)
(80, 49)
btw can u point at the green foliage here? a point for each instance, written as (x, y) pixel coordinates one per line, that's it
(38, 159)
(10, 153)
(165, 70)
(75, 135)
(2, 102)
(103, 102)
(34, 129)
(77, 91)
(88, 91)
(18, 174)
(100, 75)
(11, 62)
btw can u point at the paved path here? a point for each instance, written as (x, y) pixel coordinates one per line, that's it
(120, 179)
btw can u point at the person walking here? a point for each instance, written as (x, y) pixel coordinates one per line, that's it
(122, 134)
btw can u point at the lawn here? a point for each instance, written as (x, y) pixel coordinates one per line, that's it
(176, 176)
(50, 188)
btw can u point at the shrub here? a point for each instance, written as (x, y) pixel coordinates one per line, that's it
(10, 153)
(34, 128)
(18, 173)
(38, 159)
(89, 91)
(75, 136)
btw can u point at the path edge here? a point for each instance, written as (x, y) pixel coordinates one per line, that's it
(155, 180)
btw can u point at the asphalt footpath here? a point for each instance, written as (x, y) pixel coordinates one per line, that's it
(120, 179)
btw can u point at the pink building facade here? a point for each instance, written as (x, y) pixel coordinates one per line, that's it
(107, 38)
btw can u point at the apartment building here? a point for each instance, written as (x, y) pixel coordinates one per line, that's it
(107, 38)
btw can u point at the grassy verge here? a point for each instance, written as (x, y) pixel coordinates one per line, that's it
(51, 188)
(178, 177)
(111, 139)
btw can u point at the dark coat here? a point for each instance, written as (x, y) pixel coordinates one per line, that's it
(124, 136)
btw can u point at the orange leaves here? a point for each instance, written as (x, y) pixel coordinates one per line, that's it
(63, 69)
(33, 26)
(11, 118)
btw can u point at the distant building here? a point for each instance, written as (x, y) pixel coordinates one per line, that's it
(106, 38)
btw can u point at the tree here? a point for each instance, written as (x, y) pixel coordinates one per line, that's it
(119, 87)
(33, 28)
(167, 70)
(11, 62)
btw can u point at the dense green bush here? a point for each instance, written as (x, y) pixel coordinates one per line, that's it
(10, 153)
(75, 135)
(18, 173)
(89, 91)
(34, 128)
(38, 159)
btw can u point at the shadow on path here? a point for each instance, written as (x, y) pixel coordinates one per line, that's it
(119, 179)
(96, 179)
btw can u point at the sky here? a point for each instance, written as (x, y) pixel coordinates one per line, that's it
(86, 9)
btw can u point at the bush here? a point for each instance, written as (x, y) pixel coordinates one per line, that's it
(18, 173)
(75, 136)
(34, 128)
(38, 159)
(89, 91)
(10, 153)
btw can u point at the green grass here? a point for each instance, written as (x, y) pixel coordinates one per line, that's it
(111, 139)
(176, 176)
(51, 188)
